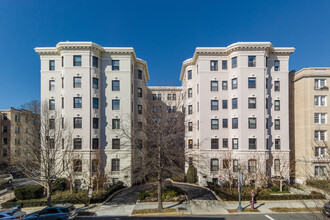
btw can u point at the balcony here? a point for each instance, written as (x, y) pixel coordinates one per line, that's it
(321, 88)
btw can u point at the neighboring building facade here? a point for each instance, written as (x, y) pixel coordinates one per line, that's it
(237, 111)
(309, 123)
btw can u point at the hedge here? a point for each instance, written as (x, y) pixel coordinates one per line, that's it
(29, 192)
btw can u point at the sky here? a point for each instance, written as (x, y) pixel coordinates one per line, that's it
(164, 33)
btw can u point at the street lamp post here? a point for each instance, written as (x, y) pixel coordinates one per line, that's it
(240, 177)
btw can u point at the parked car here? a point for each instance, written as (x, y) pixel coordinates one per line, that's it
(14, 213)
(6, 178)
(326, 209)
(57, 212)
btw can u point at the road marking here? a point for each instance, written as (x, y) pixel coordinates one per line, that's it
(267, 216)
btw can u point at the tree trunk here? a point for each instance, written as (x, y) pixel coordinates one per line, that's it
(49, 195)
(160, 202)
(281, 185)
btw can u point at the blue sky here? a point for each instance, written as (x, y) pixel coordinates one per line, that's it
(164, 33)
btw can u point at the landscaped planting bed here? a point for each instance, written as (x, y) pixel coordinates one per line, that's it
(169, 193)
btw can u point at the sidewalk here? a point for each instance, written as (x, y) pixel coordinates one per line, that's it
(6, 196)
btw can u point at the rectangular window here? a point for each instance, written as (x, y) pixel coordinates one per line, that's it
(224, 85)
(115, 104)
(115, 64)
(224, 104)
(320, 171)
(214, 105)
(62, 61)
(17, 130)
(225, 123)
(96, 103)
(252, 166)
(77, 143)
(160, 97)
(95, 62)
(51, 123)
(51, 104)
(174, 96)
(277, 144)
(115, 143)
(235, 143)
(140, 109)
(76, 60)
(252, 61)
(189, 92)
(169, 97)
(115, 164)
(320, 118)
(214, 86)
(214, 124)
(62, 102)
(234, 103)
(4, 129)
(277, 165)
(169, 109)
(276, 86)
(235, 165)
(77, 122)
(277, 124)
(252, 103)
(234, 123)
(252, 82)
(234, 62)
(225, 143)
(189, 109)
(95, 144)
(77, 165)
(189, 74)
(320, 151)
(214, 164)
(277, 105)
(154, 97)
(252, 143)
(320, 100)
(5, 117)
(234, 83)
(52, 65)
(77, 102)
(95, 123)
(190, 143)
(320, 84)
(115, 124)
(190, 126)
(17, 118)
(139, 92)
(139, 74)
(224, 64)
(320, 135)
(76, 82)
(95, 83)
(214, 65)
(115, 85)
(276, 65)
(252, 123)
(51, 85)
(214, 143)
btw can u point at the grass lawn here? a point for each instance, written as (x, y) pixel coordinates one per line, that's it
(280, 209)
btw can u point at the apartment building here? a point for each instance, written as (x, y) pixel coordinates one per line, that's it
(237, 111)
(98, 92)
(309, 125)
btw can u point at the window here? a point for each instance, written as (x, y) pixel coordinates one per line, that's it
(115, 164)
(214, 124)
(51, 123)
(225, 164)
(320, 135)
(77, 122)
(5, 117)
(95, 83)
(4, 129)
(62, 102)
(189, 109)
(139, 92)
(277, 105)
(235, 143)
(214, 143)
(189, 92)
(320, 151)
(169, 109)
(95, 123)
(62, 61)
(224, 64)
(235, 165)
(214, 164)
(115, 143)
(17, 130)
(154, 109)
(169, 97)
(154, 97)
(17, 118)
(51, 104)
(234, 62)
(214, 104)
(115, 85)
(140, 109)
(5, 141)
(76, 82)
(77, 102)
(320, 118)
(52, 65)
(276, 86)
(320, 100)
(225, 123)
(235, 123)
(51, 85)
(160, 97)
(95, 144)
(319, 84)
(252, 82)
(190, 143)
(115, 104)
(51, 143)
(225, 143)
(76, 60)
(224, 104)
(277, 144)
(234, 83)
(276, 65)
(252, 123)
(252, 102)
(189, 74)
(252, 143)
(214, 65)
(77, 165)
(224, 85)
(252, 61)
(320, 171)
(252, 166)
(115, 124)
(115, 65)
(214, 85)
(96, 103)
(139, 144)
(139, 74)
(277, 124)
(190, 126)
(277, 165)
(95, 62)
(77, 143)
(173, 108)
(174, 96)
(234, 103)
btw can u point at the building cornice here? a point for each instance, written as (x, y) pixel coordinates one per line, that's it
(312, 72)
(165, 88)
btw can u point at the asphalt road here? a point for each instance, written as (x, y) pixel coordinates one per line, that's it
(126, 197)
(198, 193)
(22, 182)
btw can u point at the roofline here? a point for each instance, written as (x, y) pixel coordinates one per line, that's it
(303, 73)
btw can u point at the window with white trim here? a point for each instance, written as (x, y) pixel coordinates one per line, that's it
(320, 118)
